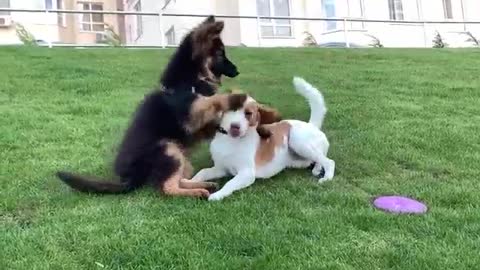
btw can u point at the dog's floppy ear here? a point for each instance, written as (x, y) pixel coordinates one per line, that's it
(268, 115)
(263, 132)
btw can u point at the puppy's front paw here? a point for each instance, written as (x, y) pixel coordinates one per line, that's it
(217, 196)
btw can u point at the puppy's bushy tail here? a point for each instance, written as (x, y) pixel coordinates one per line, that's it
(315, 100)
(90, 185)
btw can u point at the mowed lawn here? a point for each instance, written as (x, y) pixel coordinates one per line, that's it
(399, 122)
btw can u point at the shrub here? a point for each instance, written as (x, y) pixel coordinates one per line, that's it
(24, 35)
(438, 41)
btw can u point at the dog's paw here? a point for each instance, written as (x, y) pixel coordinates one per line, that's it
(216, 197)
(324, 179)
(212, 187)
(318, 171)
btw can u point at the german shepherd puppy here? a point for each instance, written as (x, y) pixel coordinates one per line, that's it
(167, 123)
(204, 73)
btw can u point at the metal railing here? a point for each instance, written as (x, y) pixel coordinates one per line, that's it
(162, 14)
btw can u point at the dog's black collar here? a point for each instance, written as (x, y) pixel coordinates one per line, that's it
(171, 91)
(221, 130)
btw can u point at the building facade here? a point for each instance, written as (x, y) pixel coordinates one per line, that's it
(143, 30)
(60, 28)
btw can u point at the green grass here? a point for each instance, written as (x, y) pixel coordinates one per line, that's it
(399, 121)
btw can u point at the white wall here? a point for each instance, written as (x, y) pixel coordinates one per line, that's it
(245, 31)
(42, 26)
(249, 27)
(412, 35)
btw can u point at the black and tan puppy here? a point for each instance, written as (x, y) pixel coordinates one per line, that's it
(167, 123)
(200, 61)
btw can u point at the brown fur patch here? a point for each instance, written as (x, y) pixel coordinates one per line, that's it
(205, 110)
(188, 169)
(203, 38)
(252, 114)
(259, 115)
(184, 183)
(205, 42)
(207, 75)
(266, 149)
(172, 185)
(268, 115)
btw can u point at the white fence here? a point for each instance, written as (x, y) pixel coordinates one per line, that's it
(161, 17)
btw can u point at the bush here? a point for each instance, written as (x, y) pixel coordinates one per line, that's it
(111, 37)
(438, 41)
(24, 35)
(309, 40)
(375, 42)
(472, 38)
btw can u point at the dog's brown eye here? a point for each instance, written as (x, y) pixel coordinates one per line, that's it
(248, 114)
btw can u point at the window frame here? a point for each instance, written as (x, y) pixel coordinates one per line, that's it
(6, 13)
(395, 10)
(91, 23)
(45, 4)
(272, 22)
(171, 34)
(447, 9)
(330, 25)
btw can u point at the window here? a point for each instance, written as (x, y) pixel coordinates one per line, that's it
(91, 22)
(170, 36)
(328, 7)
(48, 4)
(62, 17)
(395, 8)
(447, 9)
(5, 4)
(138, 8)
(274, 27)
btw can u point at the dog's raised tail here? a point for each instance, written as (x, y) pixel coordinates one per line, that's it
(315, 100)
(90, 185)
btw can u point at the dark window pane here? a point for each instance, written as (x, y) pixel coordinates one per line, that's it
(281, 7)
(267, 31)
(86, 27)
(263, 7)
(97, 17)
(97, 7)
(283, 31)
(98, 27)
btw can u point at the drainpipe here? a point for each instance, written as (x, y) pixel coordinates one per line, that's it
(424, 25)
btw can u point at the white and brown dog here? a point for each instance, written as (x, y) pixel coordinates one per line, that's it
(248, 151)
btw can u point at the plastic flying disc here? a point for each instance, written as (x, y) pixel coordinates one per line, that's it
(400, 205)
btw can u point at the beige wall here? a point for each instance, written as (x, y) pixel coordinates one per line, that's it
(72, 33)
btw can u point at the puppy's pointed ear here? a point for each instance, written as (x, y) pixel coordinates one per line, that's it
(268, 115)
(209, 19)
(217, 27)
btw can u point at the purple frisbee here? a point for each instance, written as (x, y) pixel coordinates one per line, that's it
(400, 205)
